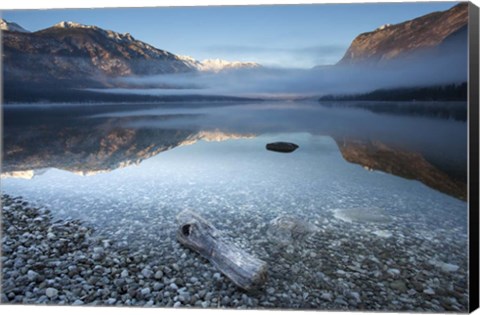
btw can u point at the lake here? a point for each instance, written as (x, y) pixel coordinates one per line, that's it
(381, 197)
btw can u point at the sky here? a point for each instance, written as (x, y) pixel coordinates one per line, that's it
(287, 36)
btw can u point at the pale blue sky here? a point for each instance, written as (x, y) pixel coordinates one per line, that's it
(287, 36)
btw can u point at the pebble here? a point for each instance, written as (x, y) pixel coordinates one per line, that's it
(158, 275)
(51, 292)
(147, 273)
(399, 285)
(429, 291)
(98, 250)
(193, 280)
(32, 275)
(157, 286)
(393, 272)
(326, 296)
(122, 274)
(340, 301)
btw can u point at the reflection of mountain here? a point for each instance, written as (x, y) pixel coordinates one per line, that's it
(28, 174)
(375, 155)
(383, 102)
(90, 148)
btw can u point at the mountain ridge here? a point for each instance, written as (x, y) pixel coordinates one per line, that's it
(217, 65)
(73, 52)
(11, 26)
(390, 42)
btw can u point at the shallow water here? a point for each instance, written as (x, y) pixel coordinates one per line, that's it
(366, 222)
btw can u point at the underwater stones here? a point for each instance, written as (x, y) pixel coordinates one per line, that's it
(362, 215)
(327, 296)
(51, 292)
(449, 267)
(339, 246)
(446, 267)
(147, 273)
(283, 147)
(429, 291)
(399, 285)
(158, 275)
(32, 275)
(393, 272)
(284, 230)
(383, 233)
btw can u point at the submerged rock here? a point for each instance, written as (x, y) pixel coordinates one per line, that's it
(284, 147)
(399, 285)
(51, 292)
(285, 229)
(363, 215)
(446, 267)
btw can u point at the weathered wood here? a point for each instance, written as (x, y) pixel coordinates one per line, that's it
(245, 270)
(284, 147)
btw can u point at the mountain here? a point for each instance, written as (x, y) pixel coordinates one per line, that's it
(407, 39)
(12, 27)
(81, 55)
(218, 65)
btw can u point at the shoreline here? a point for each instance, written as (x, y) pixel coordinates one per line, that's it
(67, 262)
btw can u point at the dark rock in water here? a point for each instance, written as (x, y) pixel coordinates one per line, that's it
(284, 147)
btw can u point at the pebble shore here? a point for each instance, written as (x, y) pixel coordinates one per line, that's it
(49, 261)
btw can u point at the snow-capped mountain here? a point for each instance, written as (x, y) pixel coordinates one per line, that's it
(81, 55)
(12, 27)
(217, 65)
(190, 61)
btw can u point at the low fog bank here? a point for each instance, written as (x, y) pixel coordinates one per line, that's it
(264, 82)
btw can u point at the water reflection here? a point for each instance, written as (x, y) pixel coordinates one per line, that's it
(91, 140)
(356, 232)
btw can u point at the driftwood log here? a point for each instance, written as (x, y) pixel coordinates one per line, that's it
(245, 270)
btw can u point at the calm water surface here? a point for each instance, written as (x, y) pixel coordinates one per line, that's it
(128, 170)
